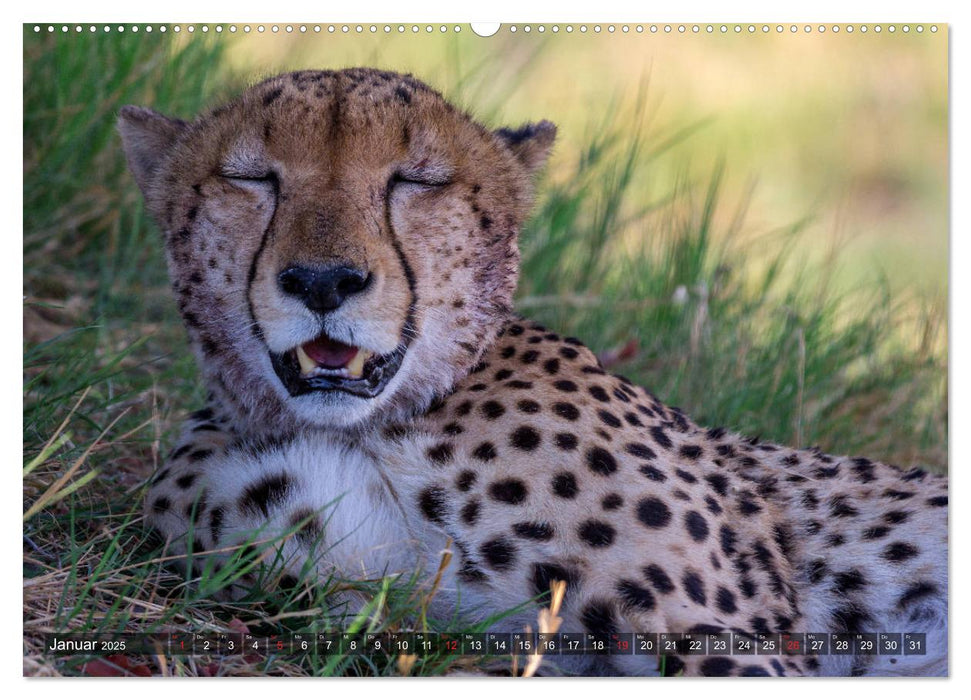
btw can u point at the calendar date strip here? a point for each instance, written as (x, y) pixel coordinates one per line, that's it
(492, 644)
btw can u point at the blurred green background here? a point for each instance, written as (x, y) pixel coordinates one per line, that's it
(754, 227)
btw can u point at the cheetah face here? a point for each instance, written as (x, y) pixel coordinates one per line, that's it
(342, 244)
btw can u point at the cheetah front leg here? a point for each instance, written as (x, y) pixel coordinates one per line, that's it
(177, 494)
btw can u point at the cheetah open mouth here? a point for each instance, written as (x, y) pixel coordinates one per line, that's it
(325, 364)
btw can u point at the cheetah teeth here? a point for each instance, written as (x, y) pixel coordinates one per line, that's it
(352, 370)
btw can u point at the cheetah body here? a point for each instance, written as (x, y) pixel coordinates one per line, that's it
(496, 439)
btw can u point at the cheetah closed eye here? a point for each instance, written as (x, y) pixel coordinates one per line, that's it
(343, 252)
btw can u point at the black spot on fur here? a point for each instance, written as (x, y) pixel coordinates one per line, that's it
(609, 418)
(596, 533)
(485, 452)
(529, 357)
(850, 619)
(565, 385)
(652, 473)
(525, 438)
(839, 508)
(719, 482)
(161, 504)
(653, 512)
(470, 512)
(728, 539)
(658, 578)
(597, 617)
(640, 450)
(269, 491)
(673, 665)
(826, 472)
(551, 366)
(747, 587)
(694, 587)
(528, 406)
(864, 470)
(433, 503)
(691, 452)
(895, 517)
(612, 501)
(717, 666)
(725, 600)
(809, 499)
(499, 553)
(697, 526)
(441, 453)
(534, 530)
(753, 670)
(196, 507)
(747, 506)
(178, 452)
(470, 573)
(566, 410)
(566, 441)
(216, 516)
(465, 480)
(519, 384)
(598, 393)
(565, 485)
(660, 437)
(492, 409)
(544, 573)
(186, 480)
(899, 551)
(760, 625)
(635, 595)
(850, 580)
(601, 461)
(875, 533)
(937, 501)
(510, 491)
(816, 570)
(895, 495)
(686, 476)
(199, 455)
(307, 525)
(915, 592)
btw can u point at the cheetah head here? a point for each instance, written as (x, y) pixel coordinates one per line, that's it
(342, 245)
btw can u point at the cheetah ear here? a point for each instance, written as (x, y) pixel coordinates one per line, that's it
(531, 143)
(146, 137)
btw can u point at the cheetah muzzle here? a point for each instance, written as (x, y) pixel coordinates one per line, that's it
(343, 252)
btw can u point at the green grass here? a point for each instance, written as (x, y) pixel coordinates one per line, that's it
(737, 331)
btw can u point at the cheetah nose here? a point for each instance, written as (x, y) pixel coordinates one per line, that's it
(322, 289)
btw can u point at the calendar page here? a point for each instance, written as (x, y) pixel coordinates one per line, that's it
(514, 349)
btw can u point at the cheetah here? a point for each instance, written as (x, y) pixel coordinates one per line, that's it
(343, 252)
